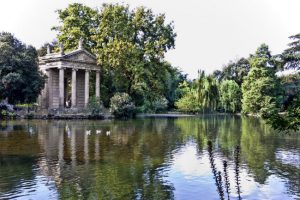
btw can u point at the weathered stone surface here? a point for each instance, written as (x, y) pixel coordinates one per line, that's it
(58, 67)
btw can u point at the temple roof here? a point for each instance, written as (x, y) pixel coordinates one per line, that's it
(78, 55)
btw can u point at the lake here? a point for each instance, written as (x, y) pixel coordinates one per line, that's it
(211, 157)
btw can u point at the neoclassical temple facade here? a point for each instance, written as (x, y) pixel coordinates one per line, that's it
(68, 79)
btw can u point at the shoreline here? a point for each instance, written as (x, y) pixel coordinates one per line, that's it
(106, 116)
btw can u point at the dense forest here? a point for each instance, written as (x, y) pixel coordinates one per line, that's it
(130, 46)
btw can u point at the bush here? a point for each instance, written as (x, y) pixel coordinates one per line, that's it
(95, 106)
(188, 103)
(6, 111)
(121, 106)
(160, 104)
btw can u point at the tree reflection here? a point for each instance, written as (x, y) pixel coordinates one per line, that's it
(237, 170)
(129, 163)
(216, 174)
(258, 146)
(226, 178)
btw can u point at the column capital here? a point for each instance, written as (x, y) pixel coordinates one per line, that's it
(63, 68)
(74, 69)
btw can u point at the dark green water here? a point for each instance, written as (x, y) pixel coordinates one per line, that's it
(148, 159)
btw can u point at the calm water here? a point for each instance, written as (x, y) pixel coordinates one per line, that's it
(216, 157)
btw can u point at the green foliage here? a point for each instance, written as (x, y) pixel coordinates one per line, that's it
(130, 47)
(173, 78)
(291, 56)
(261, 88)
(42, 51)
(95, 105)
(20, 79)
(208, 93)
(6, 111)
(77, 22)
(160, 104)
(230, 96)
(189, 101)
(235, 71)
(121, 106)
(290, 120)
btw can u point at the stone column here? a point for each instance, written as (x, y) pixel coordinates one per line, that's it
(47, 88)
(73, 98)
(44, 96)
(86, 87)
(97, 84)
(61, 87)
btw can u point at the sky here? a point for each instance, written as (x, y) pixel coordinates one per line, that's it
(210, 33)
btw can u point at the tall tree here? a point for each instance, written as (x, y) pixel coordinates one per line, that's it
(291, 56)
(234, 70)
(230, 96)
(290, 120)
(77, 22)
(208, 93)
(129, 45)
(20, 79)
(261, 87)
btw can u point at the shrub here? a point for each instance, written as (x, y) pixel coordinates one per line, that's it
(95, 106)
(188, 103)
(7, 111)
(160, 104)
(121, 106)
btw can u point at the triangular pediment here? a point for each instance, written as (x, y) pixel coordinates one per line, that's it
(80, 55)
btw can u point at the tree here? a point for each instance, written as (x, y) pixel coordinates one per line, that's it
(208, 94)
(291, 56)
(290, 119)
(42, 51)
(77, 22)
(121, 106)
(230, 96)
(234, 70)
(20, 79)
(261, 88)
(129, 45)
(287, 121)
(189, 101)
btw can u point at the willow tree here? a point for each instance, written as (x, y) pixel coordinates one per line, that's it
(208, 94)
(230, 96)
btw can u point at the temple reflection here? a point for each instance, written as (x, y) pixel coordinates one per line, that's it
(118, 159)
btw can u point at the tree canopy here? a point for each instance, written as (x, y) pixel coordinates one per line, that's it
(261, 86)
(129, 45)
(230, 96)
(20, 79)
(291, 56)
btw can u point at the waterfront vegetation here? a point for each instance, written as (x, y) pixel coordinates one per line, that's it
(130, 45)
(215, 154)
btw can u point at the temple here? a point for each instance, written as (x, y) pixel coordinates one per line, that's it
(68, 82)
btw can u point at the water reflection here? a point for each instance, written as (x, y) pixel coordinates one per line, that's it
(216, 157)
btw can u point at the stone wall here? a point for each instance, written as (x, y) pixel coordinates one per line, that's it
(80, 89)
